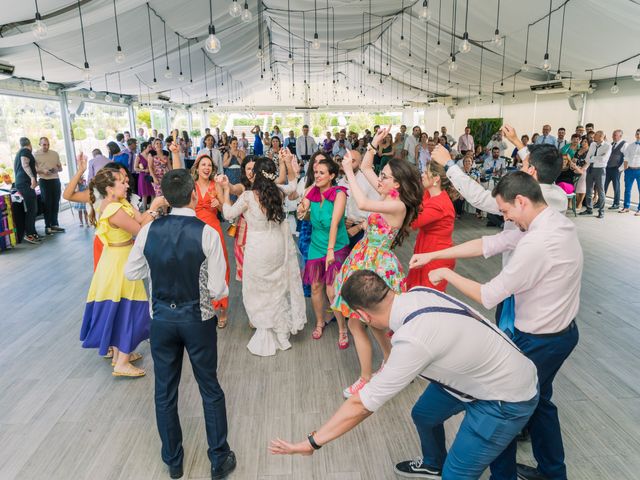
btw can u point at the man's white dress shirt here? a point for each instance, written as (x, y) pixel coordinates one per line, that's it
(462, 353)
(599, 154)
(544, 273)
(137, 267)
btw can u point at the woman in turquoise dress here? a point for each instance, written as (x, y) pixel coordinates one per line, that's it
(389, 223)
(324, 204)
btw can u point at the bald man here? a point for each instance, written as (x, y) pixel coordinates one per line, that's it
(546, 137)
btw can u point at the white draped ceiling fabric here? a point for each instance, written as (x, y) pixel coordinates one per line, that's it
(356, 38)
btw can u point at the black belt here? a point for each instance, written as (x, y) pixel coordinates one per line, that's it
(569, 327)
(633, 168)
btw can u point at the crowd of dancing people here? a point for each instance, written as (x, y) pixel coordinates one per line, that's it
(323, 220)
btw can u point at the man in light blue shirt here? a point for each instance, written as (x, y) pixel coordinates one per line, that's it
(342, 145)
(546, 136)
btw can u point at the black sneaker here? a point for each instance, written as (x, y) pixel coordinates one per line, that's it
(614, 207)
(588, 211)
(417, 469)
(57, 229)
(228, 466)
(525, 472)
(176, 472)
(600, 215)
(32, 239)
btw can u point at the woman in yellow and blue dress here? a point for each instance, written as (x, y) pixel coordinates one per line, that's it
(117, 310)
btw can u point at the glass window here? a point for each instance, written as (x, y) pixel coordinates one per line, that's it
(97, 125)
(32, 118)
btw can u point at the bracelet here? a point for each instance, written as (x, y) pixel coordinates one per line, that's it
(154, 214)
(330, 248)
(313, 442)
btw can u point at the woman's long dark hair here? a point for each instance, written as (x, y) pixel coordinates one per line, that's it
(312, 161)
(411, 191)
(270, 196)
(244, 180)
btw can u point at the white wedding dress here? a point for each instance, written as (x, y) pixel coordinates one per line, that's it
(271, 281)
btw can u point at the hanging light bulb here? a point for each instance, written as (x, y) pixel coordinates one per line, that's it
(636, 74)
(119, 55)
(191, 85)
(545, 64)
(557, 76)
(181, 77)
(91, 94)
(453, 66)
(259, 53)
(154, 84)
(108, 98)
(246, 13)
(424, 14)
(212, 45)
(235, 10)
(86, 72)
(465, 46)
(513, 99)
(44, 85)
(39, 28)
(168, 73)
(615, 89)
(290, 60)
(316, 43)
(403, 43)
(497, 38)
(121, 100)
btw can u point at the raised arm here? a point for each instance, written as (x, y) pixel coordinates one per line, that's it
(70, 193)
(175, 155)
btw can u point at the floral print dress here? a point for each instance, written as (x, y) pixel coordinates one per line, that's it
(373, 252)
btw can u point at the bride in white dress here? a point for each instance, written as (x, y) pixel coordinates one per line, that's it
(271, 284)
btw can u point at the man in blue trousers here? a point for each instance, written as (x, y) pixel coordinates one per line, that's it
(544, 276)
(183, 258)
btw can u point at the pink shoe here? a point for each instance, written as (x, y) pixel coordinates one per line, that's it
(354, 388)
(343, 340)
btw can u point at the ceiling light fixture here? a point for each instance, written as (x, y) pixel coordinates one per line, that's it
(44, 86)
(153, 59)
(39, 28)
(212, 44)
(424, 14)
(119, 53)
(246, 13)
(168, 73)
(235, 10)
(465, 46)
(497, 38)
(545, 63)
(86, 70)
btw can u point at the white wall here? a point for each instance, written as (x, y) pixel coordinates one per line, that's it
(527, 115)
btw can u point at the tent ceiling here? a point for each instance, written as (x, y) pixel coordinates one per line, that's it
(596, 33)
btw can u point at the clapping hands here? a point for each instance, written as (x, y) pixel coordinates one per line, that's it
(222, 180)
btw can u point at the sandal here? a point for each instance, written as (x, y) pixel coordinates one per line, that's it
(624, 210)
(133, 357)
(343, 340)
(133, 372)
(109, 353)
(317, 332)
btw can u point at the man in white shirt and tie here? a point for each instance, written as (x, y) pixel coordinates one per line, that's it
(471, 365)
(213, 153)
(465, 142)
(561, 141)
(306, 145)
(614, 167)
(410, 144)
(544, 274)
(546, 137)
(631, 172)
(597, 159)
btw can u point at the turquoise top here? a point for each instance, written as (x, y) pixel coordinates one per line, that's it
(321, 215)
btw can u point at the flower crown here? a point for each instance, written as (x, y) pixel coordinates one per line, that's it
(269, 176)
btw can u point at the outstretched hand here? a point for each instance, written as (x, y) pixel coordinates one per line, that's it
(510, 134)
(419, 260)
(380, 135)
(281, 447)
(81, 162)
(347, 162)
(175, 148)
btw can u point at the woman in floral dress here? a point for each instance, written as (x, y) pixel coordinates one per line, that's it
(388, 225)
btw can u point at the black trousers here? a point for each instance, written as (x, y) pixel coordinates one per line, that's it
(168, 342)
(613, 175)
(51, 191)
(31, 207)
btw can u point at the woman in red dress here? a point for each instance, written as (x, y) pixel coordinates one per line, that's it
(207, 210)
(435, 224)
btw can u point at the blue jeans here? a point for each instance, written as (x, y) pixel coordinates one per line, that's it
(487, 429)
(630, 176)
(548, 353)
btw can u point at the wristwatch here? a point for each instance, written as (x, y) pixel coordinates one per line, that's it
(313, 442)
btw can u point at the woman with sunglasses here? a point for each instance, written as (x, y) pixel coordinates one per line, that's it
(388, 225)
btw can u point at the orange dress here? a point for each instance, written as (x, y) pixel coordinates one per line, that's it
(210, 216)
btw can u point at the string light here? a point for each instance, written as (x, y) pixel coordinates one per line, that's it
(39, 28)
(44, 85)
(212, 44)
(86, 69)
(546, 65)
(119, 53)
(425, 14)
(497, 38)
(234, 9)
(465, 46)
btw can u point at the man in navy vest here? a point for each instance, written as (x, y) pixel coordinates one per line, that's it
(613, 170)
(184, 261)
